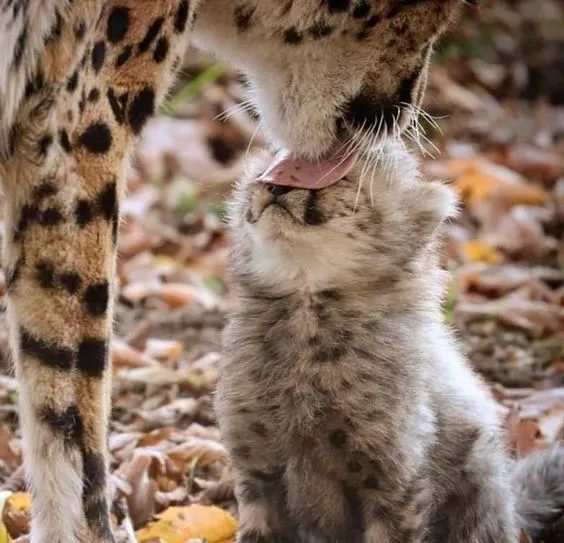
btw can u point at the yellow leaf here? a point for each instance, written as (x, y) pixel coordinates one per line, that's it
(4, 535)
(478, 251)
(179, 524)
(20, 501)
(16, 513)
(477, 179)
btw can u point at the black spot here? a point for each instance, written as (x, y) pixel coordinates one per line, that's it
(361, 9)
(71, 282)
(46, 352)
(107, 201)
(83, 213)
(371, 22)
(161, 50)
(67, 424)
(371, 482)
(141, 108)
(20, 47)
(72, 82)
(336, 6)
(354, 466)
(97, 517)
(50, 217)
(45, 274)
(44, 144)
(115, 228)
(35, 84)
(98, 55)
(267, 476)
(338, 438)
(151, 34)
(93, 95)
(96, 299)
(118, 24)
(93, 473)
(292, 36)
(97, 138)
(259, 428)
(80, 30)
(82, 101)
(312, 215)
(320, 30)
(55, 31)
(118, 105)
(91, 357)
(44, 190)
(365, 110)
(243, 16)
(181, 16)
(326, 354)
(330, 295)
(123, 57)
(64, 140)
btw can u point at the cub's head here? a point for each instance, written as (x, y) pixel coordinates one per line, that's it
(324, 71)
(370, 226)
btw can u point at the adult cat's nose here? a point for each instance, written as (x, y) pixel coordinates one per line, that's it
(277, 190)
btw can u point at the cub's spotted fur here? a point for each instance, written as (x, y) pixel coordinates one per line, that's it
(349, 413)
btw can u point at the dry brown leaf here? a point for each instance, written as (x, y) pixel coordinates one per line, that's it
(127, 357)
(205, 450)
(11, 458)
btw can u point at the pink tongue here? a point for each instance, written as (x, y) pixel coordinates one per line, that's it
(290, 171)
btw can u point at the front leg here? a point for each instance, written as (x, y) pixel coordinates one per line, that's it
(261, 500)
(393, 520)
(249, 433)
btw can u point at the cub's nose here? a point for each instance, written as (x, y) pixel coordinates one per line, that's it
(277, 190)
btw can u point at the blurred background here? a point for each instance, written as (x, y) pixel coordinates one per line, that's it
(497, 95)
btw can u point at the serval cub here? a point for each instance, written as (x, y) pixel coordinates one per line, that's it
(348, 411)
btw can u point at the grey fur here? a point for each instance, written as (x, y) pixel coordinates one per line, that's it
(539, 484)
(348, 411)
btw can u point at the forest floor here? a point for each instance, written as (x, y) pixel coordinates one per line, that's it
(496, 92)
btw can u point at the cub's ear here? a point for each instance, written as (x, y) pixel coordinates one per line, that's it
(432, 203)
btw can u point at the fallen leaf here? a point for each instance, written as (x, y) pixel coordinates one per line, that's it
(179, 524)
(477, 180)
(480, 251)
(16, 514)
